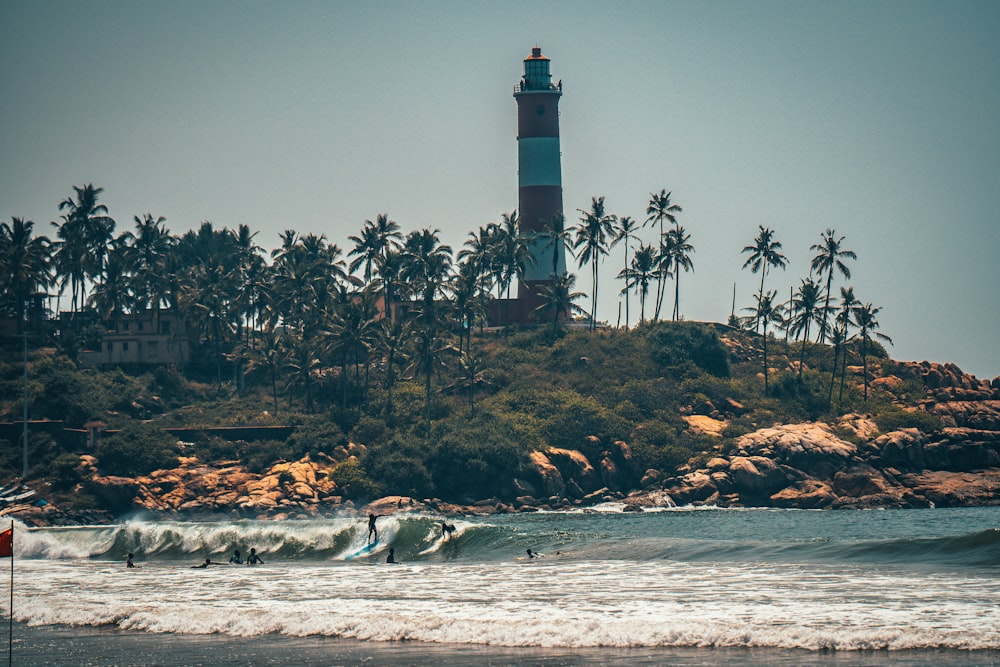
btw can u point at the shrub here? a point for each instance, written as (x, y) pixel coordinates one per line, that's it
(893, 418)
(354, 482)
(138, 449)
(678, 344)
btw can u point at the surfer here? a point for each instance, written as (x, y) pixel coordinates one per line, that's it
(128, 561)
(391, 558)
(447, 529)
(208, 561)
(236, 558)
(372, 530)
(531, 555)
(253, 558)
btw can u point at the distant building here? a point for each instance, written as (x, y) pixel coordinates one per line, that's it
(145, 338)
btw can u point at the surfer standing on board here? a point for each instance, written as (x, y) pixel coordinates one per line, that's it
(447, 529)
(372, 530)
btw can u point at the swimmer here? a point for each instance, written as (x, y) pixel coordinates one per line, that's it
(253, 558)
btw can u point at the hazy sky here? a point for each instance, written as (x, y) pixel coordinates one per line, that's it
(880, 120)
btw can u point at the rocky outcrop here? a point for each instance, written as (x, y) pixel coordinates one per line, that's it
(298, 487)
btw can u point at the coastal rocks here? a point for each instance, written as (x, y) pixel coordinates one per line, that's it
(955, 489)
(811, 447)
(806, 494)
(570, 475)
(756, 475)
(704, 425)
(810, 466)
(194, 487)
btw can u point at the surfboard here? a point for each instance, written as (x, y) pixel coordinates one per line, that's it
(363, 550)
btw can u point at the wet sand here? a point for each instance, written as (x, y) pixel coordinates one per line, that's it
(66, 646)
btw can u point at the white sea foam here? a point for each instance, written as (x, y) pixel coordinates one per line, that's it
(548, 604)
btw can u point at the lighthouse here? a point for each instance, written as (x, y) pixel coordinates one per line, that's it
(539, 175)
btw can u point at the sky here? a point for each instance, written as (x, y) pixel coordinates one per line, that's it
(876, 119)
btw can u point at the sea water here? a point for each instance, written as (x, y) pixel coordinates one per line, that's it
(683, 586)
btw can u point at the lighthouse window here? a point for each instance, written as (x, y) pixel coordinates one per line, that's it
(540, 110)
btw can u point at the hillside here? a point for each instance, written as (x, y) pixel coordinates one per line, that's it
(665, 413)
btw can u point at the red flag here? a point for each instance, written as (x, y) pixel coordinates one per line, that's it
(7, 543)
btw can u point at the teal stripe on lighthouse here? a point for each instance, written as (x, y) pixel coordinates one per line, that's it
(538, 161)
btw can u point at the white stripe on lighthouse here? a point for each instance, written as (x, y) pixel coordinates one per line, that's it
(538, 161)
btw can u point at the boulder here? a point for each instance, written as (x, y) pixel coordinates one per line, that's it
(692, 487)
(575, 466)
(901, 449)
(955, 489)
(756, 475)
(703, 425)
(809, 446)
(805, 494)
(550, 479)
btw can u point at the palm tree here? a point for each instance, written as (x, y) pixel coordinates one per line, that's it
(149, 248)
(469, 293)
(555, 236)
(513, 256)
(426, 265)
(352, 334)
(113, 295)
(830, 256)
(477, 251)
(376, 239)
(272, 354)
(624, 231)
(640, 274)
(764, 253)
(844, 318)
(804, 312)
(88, 230)
(392, 339)
(430, 354)
(591, 234)
(767, 312)
(677, 248)
(661, 208)
(472, 374)
(865, 319)
(557, 299)
(25, 266)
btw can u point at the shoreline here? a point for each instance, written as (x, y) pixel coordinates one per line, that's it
(69, 645)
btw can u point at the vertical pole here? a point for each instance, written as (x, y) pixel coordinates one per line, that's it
(10, 623)
(24, 421)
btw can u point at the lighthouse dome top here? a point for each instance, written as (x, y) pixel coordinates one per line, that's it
(536, 54)
(537, 77)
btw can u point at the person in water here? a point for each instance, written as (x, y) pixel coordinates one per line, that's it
(391, 558)
(372, 530)
(253, 558)
(208, 561)
(447, 529)
(129, 562)
(236, 558)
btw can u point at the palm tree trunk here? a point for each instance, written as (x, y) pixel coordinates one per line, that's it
(826, 304)
(833, 376)
(765, 359)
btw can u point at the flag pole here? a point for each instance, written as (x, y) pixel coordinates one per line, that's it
(10, 623)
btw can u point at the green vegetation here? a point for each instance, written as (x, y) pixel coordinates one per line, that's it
(302, 336)
(584, 390)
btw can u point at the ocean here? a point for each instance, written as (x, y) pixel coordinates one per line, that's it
(681, 587)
